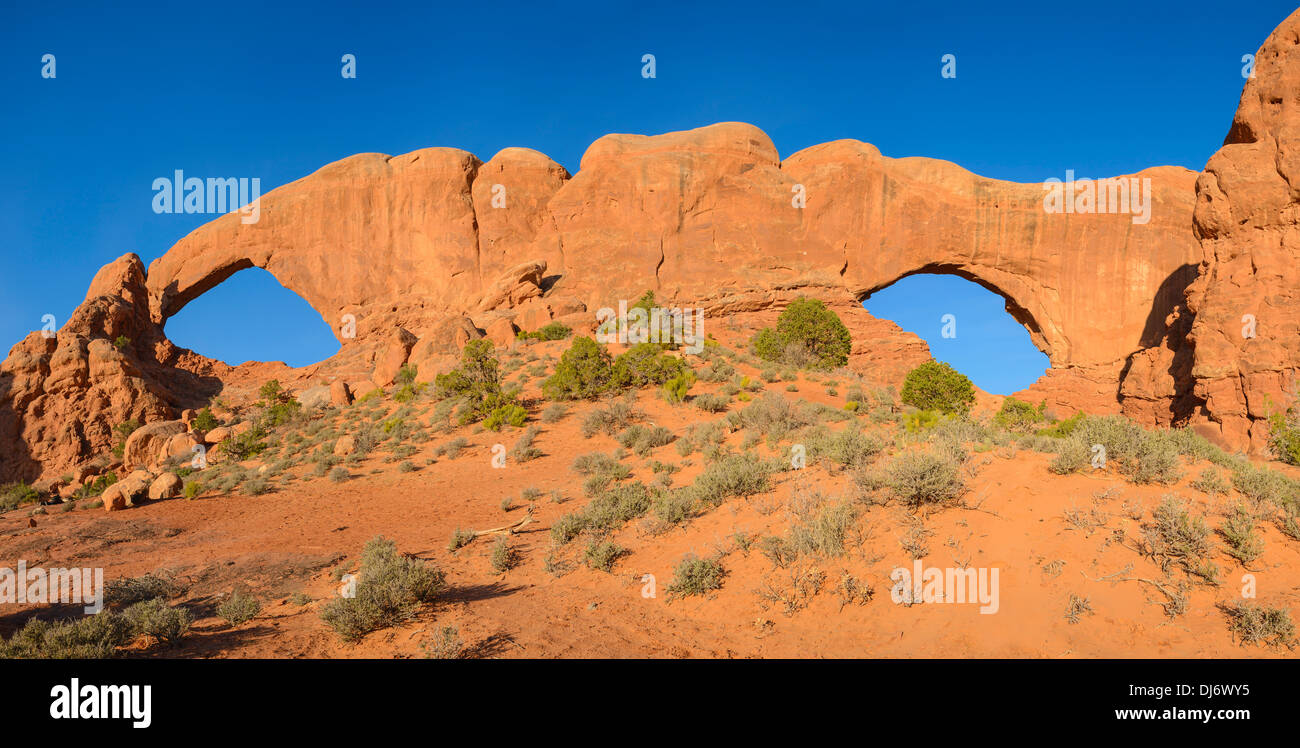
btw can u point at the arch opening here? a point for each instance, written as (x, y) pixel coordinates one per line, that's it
(968, 323)
(249, 316)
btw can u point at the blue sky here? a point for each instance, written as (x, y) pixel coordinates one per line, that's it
(142, 90)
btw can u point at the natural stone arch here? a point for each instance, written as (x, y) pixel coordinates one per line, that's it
(1019, 312)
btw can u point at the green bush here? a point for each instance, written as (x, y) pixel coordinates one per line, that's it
(645, 364)
(510, 414)
(86, 638)
(15, 495)
(159, 620)
(584, 372)
(1284, 437)
(551, 331)
(805, 333)
(205, 421)
(1018, 416)
(676, 389)
(239, 608)
(935, 385)
(390, 589)
(123, 431)
(601, 554)
(477, 382)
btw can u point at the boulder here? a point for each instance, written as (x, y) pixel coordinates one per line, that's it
(218, 435)
(165, 486)
(340, 394)
(144, 444)
(314, 398)
(393, 357)
(501, 332)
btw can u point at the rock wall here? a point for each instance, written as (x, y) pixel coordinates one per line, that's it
(1246, 300)
(405, 257)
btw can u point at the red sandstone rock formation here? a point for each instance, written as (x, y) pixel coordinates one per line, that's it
(407, 257)
(1248, 220)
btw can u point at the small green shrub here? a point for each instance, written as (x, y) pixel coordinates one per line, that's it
(1018, 416)
(601, 554)
(240, 607)
(584, 372)
(806, 333)
(550, 331)
(935, 385)
(205, 421)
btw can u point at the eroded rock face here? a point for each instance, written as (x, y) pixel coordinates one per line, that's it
(1246, 332)
(408, 257)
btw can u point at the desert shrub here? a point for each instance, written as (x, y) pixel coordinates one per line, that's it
(922, 478)
(641, 439)
(1174, 535)
(510, 414)
(773, 416)
(554, 412)
(935, 385)
(460, 537)
(598, 463)
(550, 331)
(1266, 486)
(130, 590)
(733, 476)
(616, 506)
(240, 607)
(123, 431)
(1244, 544)
(567, 527)
(1284, 436)
(583, 372)
(389, 590)
(918, 421)
(696, 576)
(806, 333)
(157, 619)
(246, 445)
(673, 507)
(1212, 483)
(1257, 624)
(205, 421)
(1072, 456)
(717, 371)
(1062, 429)
(601, 554)
(1019, 416)
(15, 495)
(85, 638)
(339, 474)
(676, 389)
(523, 449)
(849, 447)
(504, 556)
(710, 403)
(476, 383)
(645, 364)
(446, 645)
(452, 449)
(823, 531)
(610, 420)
